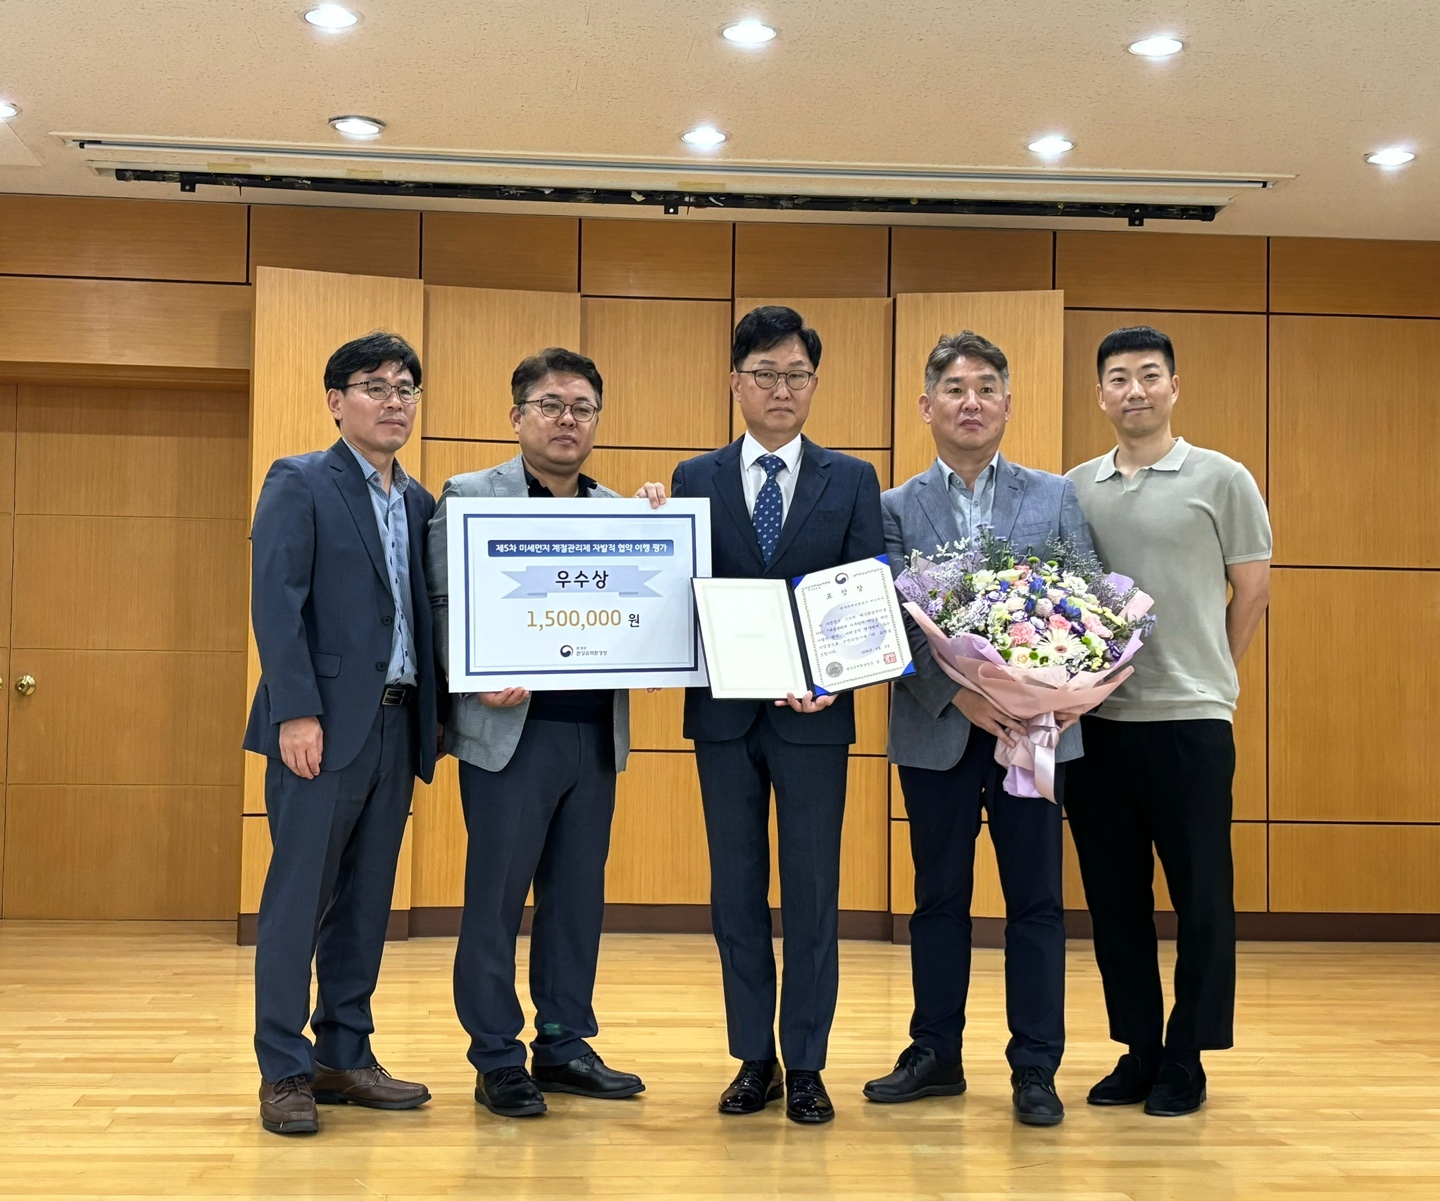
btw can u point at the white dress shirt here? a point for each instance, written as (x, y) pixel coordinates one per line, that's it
(752, 475)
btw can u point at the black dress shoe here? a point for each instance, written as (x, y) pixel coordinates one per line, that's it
(509, 1092)
(1036, 1101)
(588, 1076)
(1129, 1084)
(1178, 1090)
(754, 1087)
(919, 1072)
(806, 1099)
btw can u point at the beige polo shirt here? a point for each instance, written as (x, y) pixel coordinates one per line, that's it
(1174, 528)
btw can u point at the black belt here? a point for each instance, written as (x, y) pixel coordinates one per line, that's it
(397, 694)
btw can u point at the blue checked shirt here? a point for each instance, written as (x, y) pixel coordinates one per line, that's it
(395, 540)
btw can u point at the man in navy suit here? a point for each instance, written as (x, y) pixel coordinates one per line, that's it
(347, 714)
(781, 506)
(942, 738)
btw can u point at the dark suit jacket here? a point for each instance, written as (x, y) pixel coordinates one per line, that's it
(834, 518)
(321, 606)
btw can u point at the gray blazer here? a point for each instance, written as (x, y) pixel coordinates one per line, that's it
(926, 730)
(477, 733)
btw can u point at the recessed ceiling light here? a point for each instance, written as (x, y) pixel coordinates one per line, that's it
(1162, 46)
(706, 137)
(331, 17)
(748, 33)
(8, 110)
(358, 127)
(1051, 145)
(1391, 156)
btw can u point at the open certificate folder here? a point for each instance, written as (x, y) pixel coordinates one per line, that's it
(848, 619)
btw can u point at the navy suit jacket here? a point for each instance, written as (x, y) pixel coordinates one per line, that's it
(322, 610)
(834, 518)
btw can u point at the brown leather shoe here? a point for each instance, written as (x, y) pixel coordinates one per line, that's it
(288, 1106)
(372, 1087)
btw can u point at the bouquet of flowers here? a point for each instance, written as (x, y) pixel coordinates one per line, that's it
(1037, 635)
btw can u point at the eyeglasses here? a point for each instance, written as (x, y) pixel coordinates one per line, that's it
(584, 411)
(379, 391)
(796, 381)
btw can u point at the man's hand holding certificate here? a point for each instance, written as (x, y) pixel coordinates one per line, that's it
(848, 621)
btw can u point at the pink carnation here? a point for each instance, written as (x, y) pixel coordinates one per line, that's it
(1094, 625)
(1059, 623)
(1022, 634)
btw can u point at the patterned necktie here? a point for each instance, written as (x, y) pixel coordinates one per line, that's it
(769, 507)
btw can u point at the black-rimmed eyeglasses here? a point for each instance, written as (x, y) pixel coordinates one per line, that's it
(796, 381)
(379, 391)
(584, 411)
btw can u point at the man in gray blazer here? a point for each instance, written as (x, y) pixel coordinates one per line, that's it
(537, 783)
(943, 740)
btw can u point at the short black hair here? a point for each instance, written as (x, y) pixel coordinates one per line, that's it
(768, 326)
(554, 360)
(368, 353)
(1130, 339)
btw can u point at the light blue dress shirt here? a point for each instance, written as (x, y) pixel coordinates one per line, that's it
(395, 541)
(972, 507)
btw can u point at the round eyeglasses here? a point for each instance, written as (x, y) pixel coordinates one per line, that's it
(379, 391)
(796, 381)
(583, 411)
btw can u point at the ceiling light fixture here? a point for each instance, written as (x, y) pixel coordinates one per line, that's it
(358, 127)
(749, 32)
(8, 110)
(1051, 145)
(1391, 156)
(331, 17)
(703, 137)
(1160, 46)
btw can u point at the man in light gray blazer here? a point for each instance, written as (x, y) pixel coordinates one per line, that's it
(943, 740)
(537, 783)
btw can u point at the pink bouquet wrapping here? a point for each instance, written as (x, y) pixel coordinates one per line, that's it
(1044, 640)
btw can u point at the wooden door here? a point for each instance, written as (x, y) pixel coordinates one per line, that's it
(127, 612)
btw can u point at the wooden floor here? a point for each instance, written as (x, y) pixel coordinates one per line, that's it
(126, 1071)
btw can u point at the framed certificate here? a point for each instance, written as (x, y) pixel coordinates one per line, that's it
(583, 593)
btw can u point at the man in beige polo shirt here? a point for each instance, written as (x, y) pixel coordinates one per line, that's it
(1189, 526)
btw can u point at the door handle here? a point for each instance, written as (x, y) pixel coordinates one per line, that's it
(25, 685)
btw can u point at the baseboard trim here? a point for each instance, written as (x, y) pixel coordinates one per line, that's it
(1250, 927)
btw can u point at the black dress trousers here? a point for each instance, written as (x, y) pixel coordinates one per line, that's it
(1165, 784)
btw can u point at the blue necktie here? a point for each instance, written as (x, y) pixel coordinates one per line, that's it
(769, 507)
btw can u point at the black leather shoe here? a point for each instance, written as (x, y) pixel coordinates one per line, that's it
(1036, 1101)
(588, 1076)
(1129, 1084)
(918, 1073)
(754, 1087)
(509, 1092)
(1178, 1090)
(806, 1099)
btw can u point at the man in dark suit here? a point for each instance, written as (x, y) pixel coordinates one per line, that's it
(781, 506)
(347, 714)
(942, 738)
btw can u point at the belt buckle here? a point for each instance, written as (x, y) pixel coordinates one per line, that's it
(394, 694)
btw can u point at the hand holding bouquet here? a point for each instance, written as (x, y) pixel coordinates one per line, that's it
(1034, 635)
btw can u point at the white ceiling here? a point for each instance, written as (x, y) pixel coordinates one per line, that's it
(1264, 88)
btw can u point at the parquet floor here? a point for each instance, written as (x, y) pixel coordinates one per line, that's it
(126, 1071)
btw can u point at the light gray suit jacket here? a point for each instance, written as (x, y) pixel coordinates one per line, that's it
(476, 732)
(926, 730)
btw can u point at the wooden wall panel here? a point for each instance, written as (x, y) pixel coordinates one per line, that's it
(123, 324)
(970, 260)
(1028, 327)
(1349, 743)
(1372, 443)
(852, 405)
(500, 250)
(128, 852)
(1220, 359)
(194, 447)
(255, 852)
(9, 394)
(353, 241)
(986, 901)
(657, 843)
(443, 459)
(1354, 869)
(666, 366)
(1368, 278)
(122, 239)
(474, 340)
(811, 260)
(438, 826)
(670, 259)
(1142, 270)
(171, 584)
(864, 855)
